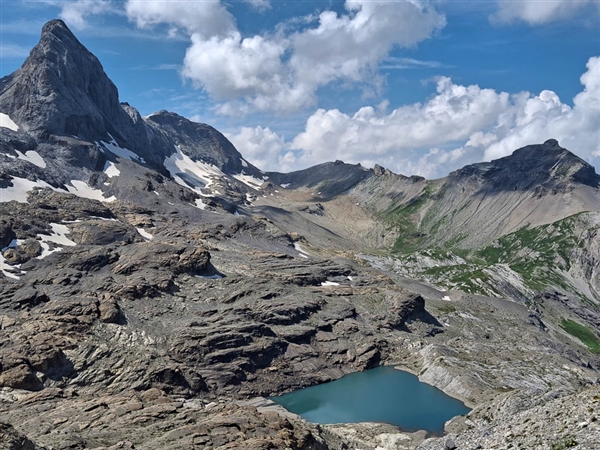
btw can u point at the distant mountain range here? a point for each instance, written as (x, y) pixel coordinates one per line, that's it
(145, 262)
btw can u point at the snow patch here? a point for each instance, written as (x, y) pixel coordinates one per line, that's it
(329, 283)
(104, 218)
(145, 234)
(7, 122)
(32, 157)
(211, 277)
(110, 169)
(58, 236)
(300, 250)
(448, 299)
(7, 269)
(18, 191)
(83, 190)
(285, 185)
(193, 175)
(244, 163)
(200, 204)
(125, 153)
(249, 180)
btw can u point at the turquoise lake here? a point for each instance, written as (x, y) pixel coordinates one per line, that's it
(382, 395)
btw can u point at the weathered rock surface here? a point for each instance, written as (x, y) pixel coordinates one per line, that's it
(144, 320)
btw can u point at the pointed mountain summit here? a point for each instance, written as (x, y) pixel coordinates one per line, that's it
(62, 89)
(62, 94)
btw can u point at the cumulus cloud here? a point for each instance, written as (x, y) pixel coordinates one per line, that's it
(77, 12)
(351, 45)
(262, 147)
(251, 69)
(534, 119)
(452, 115)
(283, 71)
(205, 19)
(457, 126)
(537, 12)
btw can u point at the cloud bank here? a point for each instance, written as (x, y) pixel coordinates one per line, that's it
(536, 12)
(281, 72)
(457, 126)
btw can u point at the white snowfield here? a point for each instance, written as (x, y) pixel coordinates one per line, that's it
(7, 122)
(144, 234)
(201, 174)
(113, 147)
(300, 250)
(22, 186)
(329, 283)
(83, 190)
(7, 269)
(249, 180)
(33, 157)
(200, 204)
(18, 191)
(110, 169)
(58, 236)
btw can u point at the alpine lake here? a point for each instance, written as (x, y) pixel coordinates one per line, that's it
(383, 394)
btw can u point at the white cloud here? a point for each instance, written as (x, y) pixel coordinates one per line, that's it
(259, 4)
(457, 126)
(411, 63)
(350, 46)
(76, 12)
(536, 119)
(262, 147)
(283, 71)
(452, 115)
(205, 18)
(233, 68)
(537, 12)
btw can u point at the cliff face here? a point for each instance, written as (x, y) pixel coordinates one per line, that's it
(62, 89)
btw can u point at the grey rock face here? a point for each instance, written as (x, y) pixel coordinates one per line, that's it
(147, 321)
(331, 179)
(10, 439)
(65, 104)
(215, 148)
(62, 89)
(548, 168)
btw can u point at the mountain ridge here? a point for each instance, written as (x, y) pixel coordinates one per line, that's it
(154, 285)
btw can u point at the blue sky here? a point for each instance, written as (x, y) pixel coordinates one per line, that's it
(421, 87)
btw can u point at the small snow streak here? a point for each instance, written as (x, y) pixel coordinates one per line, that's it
(7, 122)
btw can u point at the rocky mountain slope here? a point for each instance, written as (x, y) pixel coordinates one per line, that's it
(155, 285)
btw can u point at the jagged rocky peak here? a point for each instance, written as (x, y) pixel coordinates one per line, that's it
(546, 164)
(202, 142)
(62, 89)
